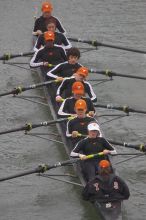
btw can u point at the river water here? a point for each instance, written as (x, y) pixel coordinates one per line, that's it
(119, 22)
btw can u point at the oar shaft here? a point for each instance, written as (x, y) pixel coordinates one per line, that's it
(30, 126)
(43, 168)
(39, 169)
(19, 175)
(121, 48)
(20, 89)
(34, 86)
(10, 56)
(111, 74)
(8, 93)
(140, 147)
(126, 109)
(14, 130)
(99, 44)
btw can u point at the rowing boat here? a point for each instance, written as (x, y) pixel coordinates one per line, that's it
(107, 211)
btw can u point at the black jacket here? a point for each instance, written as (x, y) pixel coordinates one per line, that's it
(106, 190)
(64, 69)
(60, 39)
(53, 55)
(66, 87)
(40, 24)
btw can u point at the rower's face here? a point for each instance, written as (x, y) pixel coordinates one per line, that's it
(80, 77)
(80, 112)
(46, 14)
(51, 27)
(49, 44)
(72, 59)
(78, 96)
(93, 134)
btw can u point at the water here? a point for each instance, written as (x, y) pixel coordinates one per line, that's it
(118, 22)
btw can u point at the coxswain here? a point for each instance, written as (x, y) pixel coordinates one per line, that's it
(67, 107)
(92, 144)
(66, 85)
(50, 54)
(60, 39)
(77, 127)
(68, 68)
(106, 186)
(40, 23)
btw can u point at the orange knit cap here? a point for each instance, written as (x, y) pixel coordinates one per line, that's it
(49, 35)
(104, 164)
(47, 7)
(80, 104)
(78, 88)
(83, 71)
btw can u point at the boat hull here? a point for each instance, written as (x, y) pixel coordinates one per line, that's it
(107, 211)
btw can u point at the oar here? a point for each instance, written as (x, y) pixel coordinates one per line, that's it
(45, 167)
(29, 126)
(125, 108)
(111, 74)
(140, 147)
(99, 44)
(20, 89)
(9, 56)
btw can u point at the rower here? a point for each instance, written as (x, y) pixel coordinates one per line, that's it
(77, 127)
(50, 54)
(106, 186)
(67, 107)
(66, 85)
(40, 23)
(68, 68)
(92, 144)
(60, 39)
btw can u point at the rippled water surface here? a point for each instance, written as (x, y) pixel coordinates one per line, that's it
(119, 22)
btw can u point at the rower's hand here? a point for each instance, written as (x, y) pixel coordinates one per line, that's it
(105, 152)
(73, 115)
(91, 113)
(75, 134)
(45, 63)
(82, 156)
(59, 79)
(59, 98)
(39, 32)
